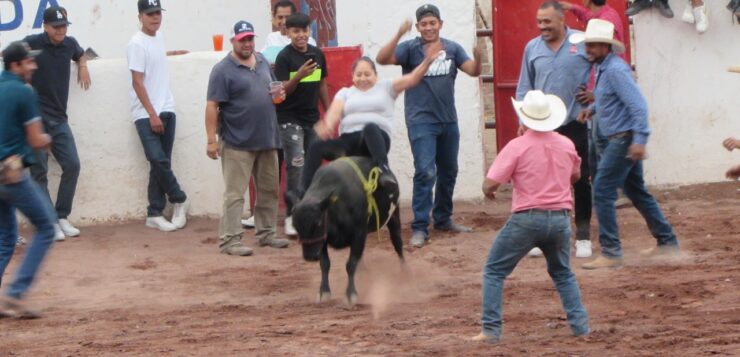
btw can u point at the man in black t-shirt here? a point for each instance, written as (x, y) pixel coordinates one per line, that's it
(302, 68)
(51, 82)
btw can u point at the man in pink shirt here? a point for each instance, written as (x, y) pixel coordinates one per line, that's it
(541, 165)
(598, 9)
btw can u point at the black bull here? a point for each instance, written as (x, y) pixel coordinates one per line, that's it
(334, 212)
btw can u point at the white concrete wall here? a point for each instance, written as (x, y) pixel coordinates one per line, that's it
(114, 173)
(107, 26)
(693, 99)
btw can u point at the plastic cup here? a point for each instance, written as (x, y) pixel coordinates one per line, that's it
(218, 42)
(276, 90)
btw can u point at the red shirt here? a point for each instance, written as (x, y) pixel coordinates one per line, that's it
(606, 13)
(539, 165)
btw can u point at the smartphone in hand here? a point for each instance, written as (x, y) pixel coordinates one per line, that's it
(312, 57)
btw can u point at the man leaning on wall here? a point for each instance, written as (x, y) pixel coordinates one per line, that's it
(51, 81)
(153, 110)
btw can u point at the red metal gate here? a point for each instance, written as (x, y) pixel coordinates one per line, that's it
(514, 24)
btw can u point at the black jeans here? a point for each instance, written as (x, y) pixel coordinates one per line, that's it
(158, 151)
(578, 134)
(65, 152)
(371, 142)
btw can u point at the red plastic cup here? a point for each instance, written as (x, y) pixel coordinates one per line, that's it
(218, 42)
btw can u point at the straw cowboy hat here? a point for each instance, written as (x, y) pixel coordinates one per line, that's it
(599, 31)
(540, 112)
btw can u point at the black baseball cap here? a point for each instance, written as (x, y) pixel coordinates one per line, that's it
(426, 10)
(56, 16)
(18, 51)
(241, 30)
(149, 6)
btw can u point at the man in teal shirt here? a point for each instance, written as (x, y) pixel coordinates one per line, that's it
(20, 131)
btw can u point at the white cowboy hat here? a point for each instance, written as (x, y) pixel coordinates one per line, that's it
(599, 31)
(540, 112)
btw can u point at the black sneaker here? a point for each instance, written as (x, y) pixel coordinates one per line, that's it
(637, 6)
(663, 8)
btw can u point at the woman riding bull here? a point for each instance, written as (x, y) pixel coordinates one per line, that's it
(365, 113)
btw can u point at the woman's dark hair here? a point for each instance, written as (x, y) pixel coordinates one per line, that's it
(599, 2)
(364, 59)
(298, 20)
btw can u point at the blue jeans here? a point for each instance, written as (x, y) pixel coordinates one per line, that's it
(616, 170)
(158, 151)
(596, 145)
(65, 152)
(435, 147)
(550, 231)
(296, 140)
(28, 198)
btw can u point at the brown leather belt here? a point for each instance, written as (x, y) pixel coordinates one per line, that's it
(564, 212)
(624, 134)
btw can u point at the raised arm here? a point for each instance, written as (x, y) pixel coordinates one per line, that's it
(473, 67)
(414, 78)
(387, 54)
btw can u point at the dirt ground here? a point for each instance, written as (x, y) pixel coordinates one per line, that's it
(127, 290)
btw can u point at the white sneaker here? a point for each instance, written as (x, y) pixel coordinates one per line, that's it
(535, 252)
(58, 233)
(289, 229)
(249, 222)
(180, 214)
(701, 14)
(583, 248)
(688, 14)
(68, 229)
(160, 223)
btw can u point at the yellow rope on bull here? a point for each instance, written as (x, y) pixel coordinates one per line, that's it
(369, 185)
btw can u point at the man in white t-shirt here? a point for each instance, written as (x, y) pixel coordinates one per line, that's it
(279, 39)
(153, 111)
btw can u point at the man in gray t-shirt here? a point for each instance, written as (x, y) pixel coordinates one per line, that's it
(240, 106)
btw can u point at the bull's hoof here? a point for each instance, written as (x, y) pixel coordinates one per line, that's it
(324, 297)
(352, 299)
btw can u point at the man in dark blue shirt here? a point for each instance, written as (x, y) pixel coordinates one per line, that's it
(431, 119)
(51, 82)
(20, 131)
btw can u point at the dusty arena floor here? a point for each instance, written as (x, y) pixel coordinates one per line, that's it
(127, 290)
